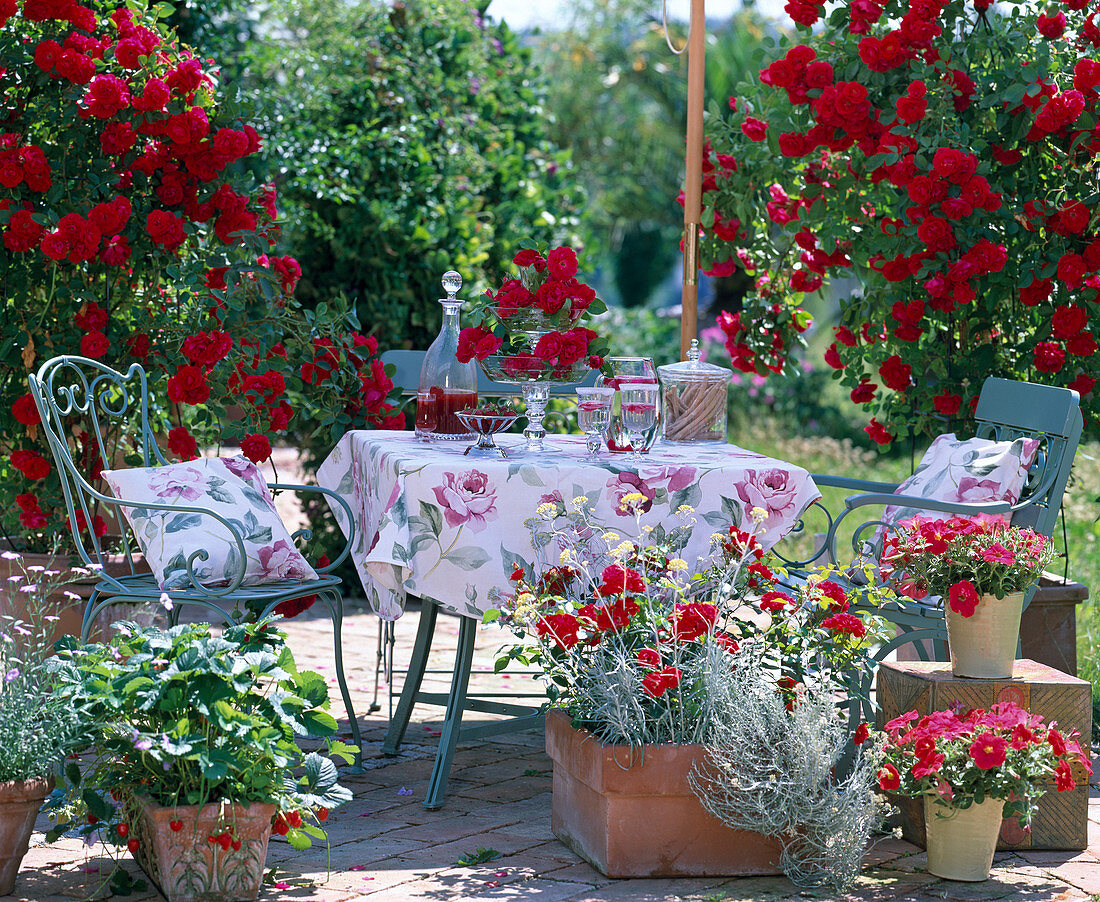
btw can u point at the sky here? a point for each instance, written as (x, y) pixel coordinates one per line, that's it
(524, 14)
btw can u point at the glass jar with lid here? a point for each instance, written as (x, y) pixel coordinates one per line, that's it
(695, 398)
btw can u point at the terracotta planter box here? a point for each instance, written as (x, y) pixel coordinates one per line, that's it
(642, 820)
(19, 804)
(186, 866)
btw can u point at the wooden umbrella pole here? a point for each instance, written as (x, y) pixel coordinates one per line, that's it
(693, 183)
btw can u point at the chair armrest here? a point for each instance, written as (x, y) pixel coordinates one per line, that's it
(199, 554)
(855, 485)
(332, 496)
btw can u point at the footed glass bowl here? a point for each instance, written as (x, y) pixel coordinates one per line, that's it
(486, 423)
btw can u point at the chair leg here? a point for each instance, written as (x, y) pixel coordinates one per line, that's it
(413, 678)
(336, 606)
(452, 724)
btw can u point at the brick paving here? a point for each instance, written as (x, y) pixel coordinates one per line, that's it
(385, 847)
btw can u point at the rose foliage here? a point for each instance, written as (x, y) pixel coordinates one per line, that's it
(625, 632)
(942, 153)
(964, 558)
(129, 238)
(961, 758)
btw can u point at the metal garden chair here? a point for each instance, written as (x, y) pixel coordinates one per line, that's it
(111, 412)
(1006, 410)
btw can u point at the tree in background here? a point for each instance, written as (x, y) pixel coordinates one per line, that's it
(406, 141)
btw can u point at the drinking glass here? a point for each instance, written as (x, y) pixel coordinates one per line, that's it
(639, 405)
(594, 416)
(626, 371)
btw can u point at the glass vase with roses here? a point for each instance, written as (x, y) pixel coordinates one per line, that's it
(129, 237)
(964, 558)
(625, 632)
(531, 330)
(940, 152)
(530, 333)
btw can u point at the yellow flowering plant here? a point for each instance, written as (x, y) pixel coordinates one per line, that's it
(625, 631)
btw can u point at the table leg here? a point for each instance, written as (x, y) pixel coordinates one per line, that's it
(413, 678)
(452, 724)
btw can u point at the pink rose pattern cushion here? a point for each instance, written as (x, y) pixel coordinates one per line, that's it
(231, 487)
(971, 471)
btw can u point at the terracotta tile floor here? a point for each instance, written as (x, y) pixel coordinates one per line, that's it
(385, 846)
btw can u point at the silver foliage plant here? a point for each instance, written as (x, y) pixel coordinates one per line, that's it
(772, 771)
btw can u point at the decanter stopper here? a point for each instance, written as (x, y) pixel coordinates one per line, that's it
(452, 284)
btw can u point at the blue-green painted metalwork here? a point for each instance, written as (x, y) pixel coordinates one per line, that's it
(77, 395)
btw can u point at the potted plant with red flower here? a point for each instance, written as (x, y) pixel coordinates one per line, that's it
(941, 153)
(629, 638)
(972, 769)
(980, 568)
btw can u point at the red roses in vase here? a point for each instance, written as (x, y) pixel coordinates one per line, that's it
(531, 326)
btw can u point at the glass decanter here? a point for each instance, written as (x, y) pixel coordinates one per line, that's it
(446, 386)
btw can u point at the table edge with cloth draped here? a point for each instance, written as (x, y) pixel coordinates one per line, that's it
(449, 528)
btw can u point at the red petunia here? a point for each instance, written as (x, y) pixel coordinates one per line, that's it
(861, 734)
(888, 778)
(1063, 777)
(988, 751)
(963, 597)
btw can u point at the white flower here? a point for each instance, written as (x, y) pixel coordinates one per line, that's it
(10, 556)
(166, 601)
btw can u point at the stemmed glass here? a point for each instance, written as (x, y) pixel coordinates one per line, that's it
(594, 416)
(639, 403)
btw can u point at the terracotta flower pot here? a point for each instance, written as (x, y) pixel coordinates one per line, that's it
(635, 815)
(186, 865)
(19, 804)
(961, 841)
(983, 646)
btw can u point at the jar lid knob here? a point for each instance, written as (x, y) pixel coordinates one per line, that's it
(693, 351)
(452, 282)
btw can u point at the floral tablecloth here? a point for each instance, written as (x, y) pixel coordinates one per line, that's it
(440, 525)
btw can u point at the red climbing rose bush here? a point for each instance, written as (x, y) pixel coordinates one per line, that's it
(130, 236)
(944, 156)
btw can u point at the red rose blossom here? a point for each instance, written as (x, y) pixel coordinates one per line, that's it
(256, 448)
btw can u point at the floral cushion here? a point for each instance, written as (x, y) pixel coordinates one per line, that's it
(971, 471)
(231, 487)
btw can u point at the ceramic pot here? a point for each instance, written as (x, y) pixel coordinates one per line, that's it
(961, 841)
(983, 646)
(632, 813)
(19, 804)
(186, 866)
